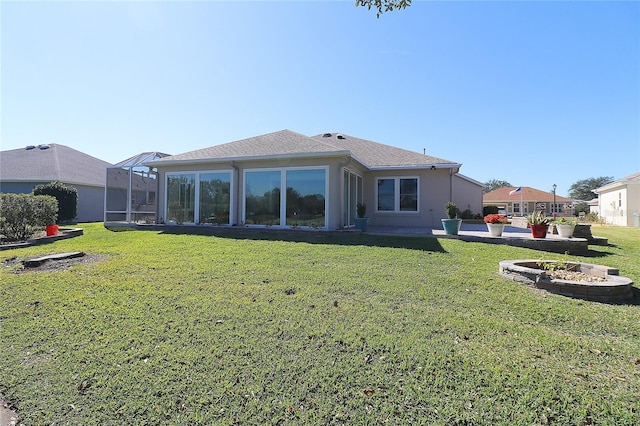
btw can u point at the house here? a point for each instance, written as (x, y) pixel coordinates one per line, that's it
(286, 179)
(524, 200)
(22, 169)
(619, 201)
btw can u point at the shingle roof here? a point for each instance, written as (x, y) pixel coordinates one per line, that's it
(56, 163)
(377, 155)
(286, 142)
(528, 194)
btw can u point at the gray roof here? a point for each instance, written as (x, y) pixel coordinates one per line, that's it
(282, 143)
(286, 143)
(55, 163)
(376, 155)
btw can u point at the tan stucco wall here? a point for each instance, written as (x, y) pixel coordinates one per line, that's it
(435, 186)
(334, 174)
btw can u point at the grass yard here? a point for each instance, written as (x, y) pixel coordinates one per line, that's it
(345, 329)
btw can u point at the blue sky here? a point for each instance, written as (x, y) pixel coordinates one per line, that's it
(534, 93)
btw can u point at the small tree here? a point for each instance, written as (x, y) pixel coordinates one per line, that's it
(66, 195)
(21, 215)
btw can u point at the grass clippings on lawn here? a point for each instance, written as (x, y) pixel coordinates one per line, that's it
(357, 329)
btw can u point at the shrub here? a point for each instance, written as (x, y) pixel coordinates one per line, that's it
(66, 195)
(487, 210)
(21, 215)
(466, 214)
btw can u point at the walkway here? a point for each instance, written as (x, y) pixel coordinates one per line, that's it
(512, 236)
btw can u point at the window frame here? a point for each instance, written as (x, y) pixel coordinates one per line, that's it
(283, 199)
(397, 195)
(196, 203)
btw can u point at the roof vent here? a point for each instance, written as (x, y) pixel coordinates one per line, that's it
(43, 146)
(326, 135)
(30, 147)
(339, 136)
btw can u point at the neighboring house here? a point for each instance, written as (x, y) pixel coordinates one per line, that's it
(286, 179)
(526, 201)
(593, 206)
(619, 201)
(22, 169)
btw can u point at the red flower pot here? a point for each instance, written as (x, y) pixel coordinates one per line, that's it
(51, 230)
(539, 231)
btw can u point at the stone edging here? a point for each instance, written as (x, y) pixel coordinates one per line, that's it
(63, 234)
(616, 288)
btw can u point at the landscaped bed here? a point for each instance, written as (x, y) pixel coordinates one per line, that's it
(310, 329)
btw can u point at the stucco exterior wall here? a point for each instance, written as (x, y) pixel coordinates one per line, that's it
(334, 177)
(618, 205)
(467, 195)
(436, 188)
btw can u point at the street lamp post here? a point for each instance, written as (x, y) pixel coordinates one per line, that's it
(554, 200)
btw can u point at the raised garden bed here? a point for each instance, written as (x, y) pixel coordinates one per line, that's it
(573, 279)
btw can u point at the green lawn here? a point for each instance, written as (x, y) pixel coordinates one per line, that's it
(344, 329)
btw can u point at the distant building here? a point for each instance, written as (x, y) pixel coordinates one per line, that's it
(524, 200)
(23, 169)
(619, 201)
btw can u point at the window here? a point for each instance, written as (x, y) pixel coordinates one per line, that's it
(215, 198)
(303, 204)
(181, 197)
(262, 198)
(397, 194)
(199, 197)
(352, 195)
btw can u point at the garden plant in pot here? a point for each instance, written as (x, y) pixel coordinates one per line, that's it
(451, 225)
(361, 220)
(539, 224)
(495, 224)
(565, 227)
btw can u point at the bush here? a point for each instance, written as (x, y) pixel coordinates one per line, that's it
(21, 215)
(487, 210)
(466, 214)
(66, 195)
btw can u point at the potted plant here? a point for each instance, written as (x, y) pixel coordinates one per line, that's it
(451, 225)
(495, 224)
(565, 227)
(361, 220)
(539, 224)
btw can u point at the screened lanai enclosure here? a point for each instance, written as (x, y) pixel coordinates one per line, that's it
(132, 188)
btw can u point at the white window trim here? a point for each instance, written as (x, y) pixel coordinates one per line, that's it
(283, 184)
(396, 195)
(196, 204)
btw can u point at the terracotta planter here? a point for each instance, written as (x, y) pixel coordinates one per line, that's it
(51, 230)
(539, 231)
(495, 229)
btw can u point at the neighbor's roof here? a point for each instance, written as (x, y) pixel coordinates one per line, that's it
(528, 194)
(633, 179)
(286, 143)
(52, 162)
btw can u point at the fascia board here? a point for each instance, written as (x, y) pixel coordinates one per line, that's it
(331, 154)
